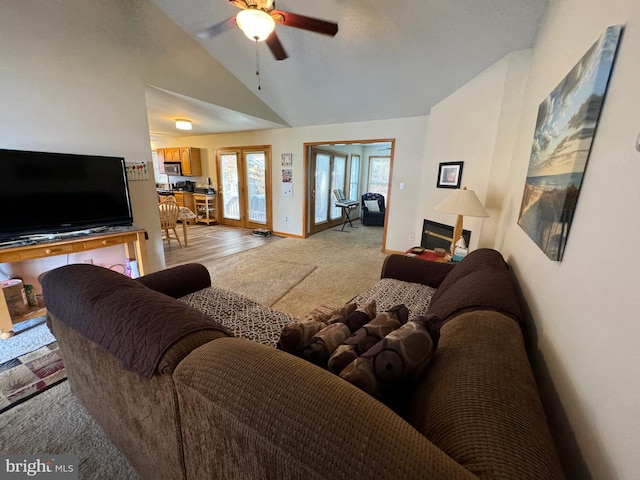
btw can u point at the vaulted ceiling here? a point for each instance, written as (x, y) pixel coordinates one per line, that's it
(390, 59)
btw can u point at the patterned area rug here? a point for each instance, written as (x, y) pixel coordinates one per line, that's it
(27, 375)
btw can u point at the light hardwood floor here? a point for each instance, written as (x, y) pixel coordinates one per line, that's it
(209, 242)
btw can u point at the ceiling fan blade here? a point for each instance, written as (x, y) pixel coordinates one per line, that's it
(240, 3)
(306, 23)
(273, 42)
(217, 29)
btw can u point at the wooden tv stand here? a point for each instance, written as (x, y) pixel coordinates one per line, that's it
(133, 238)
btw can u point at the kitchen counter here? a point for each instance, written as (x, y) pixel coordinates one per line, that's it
(161, 191)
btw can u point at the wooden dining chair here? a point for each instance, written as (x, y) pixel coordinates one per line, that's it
(168, 198)
(169, 212)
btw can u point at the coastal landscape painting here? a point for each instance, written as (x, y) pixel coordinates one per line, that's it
(565, 128)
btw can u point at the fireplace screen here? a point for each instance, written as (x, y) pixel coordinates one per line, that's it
(439, 235)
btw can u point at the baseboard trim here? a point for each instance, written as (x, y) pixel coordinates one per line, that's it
(290, 235)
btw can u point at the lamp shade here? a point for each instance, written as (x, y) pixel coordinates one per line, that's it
(255, 24)
(462, 202)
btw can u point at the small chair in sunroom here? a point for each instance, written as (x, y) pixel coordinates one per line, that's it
(369, 214)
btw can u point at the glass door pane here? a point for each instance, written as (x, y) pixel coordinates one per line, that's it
(379, 175)
(337, 181)
(354, 178)
(256, 187)
(321, 188)
(229, 181)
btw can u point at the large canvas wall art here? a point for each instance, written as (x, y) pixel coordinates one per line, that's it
(565, 128)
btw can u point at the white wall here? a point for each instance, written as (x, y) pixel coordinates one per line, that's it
(476, 125)
(409, 134)
(586, 307)
(72, 80)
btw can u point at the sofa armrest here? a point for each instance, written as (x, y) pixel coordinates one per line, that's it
(415, 270)
(178, 281)
(251, 411)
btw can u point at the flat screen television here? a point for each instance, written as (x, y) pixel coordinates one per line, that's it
(51, 193)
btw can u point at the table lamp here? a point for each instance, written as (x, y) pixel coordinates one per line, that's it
(461, 202)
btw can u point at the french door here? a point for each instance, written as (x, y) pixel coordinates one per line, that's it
(328, 172)
(244, 186)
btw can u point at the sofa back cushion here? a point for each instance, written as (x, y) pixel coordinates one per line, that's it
(479, 401)
(481, 280)
(132, 322)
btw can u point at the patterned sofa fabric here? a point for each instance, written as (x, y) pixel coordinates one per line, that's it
(390, 292)
(243, 317)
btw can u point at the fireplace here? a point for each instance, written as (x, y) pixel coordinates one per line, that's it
(439, 235)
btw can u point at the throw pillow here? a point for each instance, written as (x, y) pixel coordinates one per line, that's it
(327, 340)
(296, 336)
(353, 321)
(372, 205)
(366, 337)
(401, 356)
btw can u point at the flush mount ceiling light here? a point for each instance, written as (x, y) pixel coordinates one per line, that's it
(255, 24)
(183, 124)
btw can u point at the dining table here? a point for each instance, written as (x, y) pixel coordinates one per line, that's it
(185, 215)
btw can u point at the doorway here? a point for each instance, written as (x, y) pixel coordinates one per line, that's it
(244, 186)
(345, 165)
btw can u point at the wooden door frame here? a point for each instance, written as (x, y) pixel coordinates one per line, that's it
(305, 185)
(244, 221)
(330, 222)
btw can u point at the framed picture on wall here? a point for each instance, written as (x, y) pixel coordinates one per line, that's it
(567, 122)
(449, 175)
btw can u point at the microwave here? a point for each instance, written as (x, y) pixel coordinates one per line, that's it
(172, 168)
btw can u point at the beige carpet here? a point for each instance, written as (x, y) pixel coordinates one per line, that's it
(262, 279)
(295, 274)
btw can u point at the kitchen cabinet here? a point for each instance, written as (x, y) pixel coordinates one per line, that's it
(206, 208)
(175, 154)
(171, 154)
(190, 161)
(188, 157)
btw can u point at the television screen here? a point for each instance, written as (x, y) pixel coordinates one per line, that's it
(56, 192)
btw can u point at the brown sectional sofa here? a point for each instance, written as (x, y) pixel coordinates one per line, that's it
(183, 398)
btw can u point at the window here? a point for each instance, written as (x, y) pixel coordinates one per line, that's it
(378, 175)
(354, 177)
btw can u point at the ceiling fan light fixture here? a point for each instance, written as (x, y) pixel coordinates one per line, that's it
(255, 24)
(183, 124)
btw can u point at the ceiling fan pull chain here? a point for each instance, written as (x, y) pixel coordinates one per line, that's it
(258, 64)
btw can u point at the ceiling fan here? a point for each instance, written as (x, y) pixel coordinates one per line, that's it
(258, 18)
